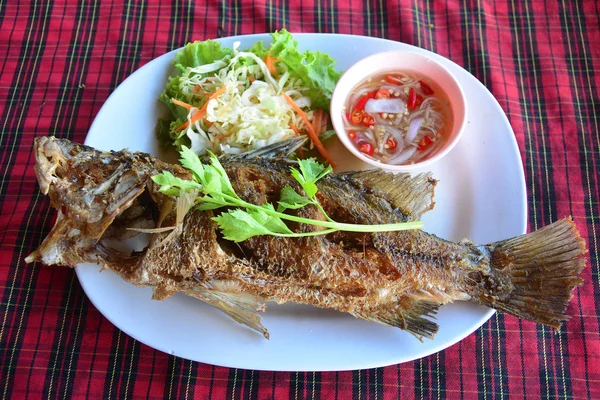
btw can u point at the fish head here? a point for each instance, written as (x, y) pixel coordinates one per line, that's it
(98, 195)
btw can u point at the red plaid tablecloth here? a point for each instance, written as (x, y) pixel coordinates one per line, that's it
(60, 60)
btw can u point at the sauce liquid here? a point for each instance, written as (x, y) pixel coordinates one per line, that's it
(397, 117)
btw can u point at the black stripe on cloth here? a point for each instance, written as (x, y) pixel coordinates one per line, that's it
(76, 71)
(296, 387)
(212, 382)
(89, 328)
(497, 351)
(182, 23)
(325, 16)
(440, 374)
(105, 56)
(15, 113)
(417, 39)
(221, 15)
(170, 388)
(251, 384)
(190, 375)
(111, 383)
(130, 367)
(7, 37)
(234, 383)
(22, 277)
(54, 374)
(430, 376)
(375, 18)
(474, 41)
(543, 192)
(18, 299)
(315, 387)
(43, 216)
(376, 382)
(272, 14)
(234, 18)
(426, 27)
(421, 378)
(230, 17)
(128, 53)
(73, 343)
(483, 367)
(359, 383)
(586, 103)
(460, 370)
(152, 372)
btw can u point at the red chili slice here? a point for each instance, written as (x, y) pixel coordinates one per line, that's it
(427, 91)
(360, 104)
(425, 142)
(419, 100)
(356, 117)
(390, 144)
(411, 104)
(394, 80)
(366, 148)
(368, 120)
(382, 94)
(352, 135)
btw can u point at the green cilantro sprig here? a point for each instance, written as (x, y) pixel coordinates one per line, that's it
(244, 220)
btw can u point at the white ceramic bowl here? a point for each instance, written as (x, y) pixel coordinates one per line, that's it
(404, 61)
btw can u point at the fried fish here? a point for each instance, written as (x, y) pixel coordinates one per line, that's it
(394, 278)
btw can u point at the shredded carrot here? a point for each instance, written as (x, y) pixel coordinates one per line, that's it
(201, 112)
(316, 122)
(311, 131)
(221, 137)
(270, 62)
(196, 88)
(319, 121)
(181, 103)
(251, 79)
(295, 129)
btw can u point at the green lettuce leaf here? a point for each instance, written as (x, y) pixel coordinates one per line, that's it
(200, 53)
(193, 55)
(314, 68)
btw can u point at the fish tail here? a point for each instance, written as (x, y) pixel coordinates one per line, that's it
(532, 276)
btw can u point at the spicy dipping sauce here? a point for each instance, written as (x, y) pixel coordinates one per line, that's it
(397, 118)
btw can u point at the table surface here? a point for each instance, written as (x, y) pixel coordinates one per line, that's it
(60, 61)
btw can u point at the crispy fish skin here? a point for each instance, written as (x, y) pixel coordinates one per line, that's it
(396, 278)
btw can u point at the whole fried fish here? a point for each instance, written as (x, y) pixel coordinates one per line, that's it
(397, 278)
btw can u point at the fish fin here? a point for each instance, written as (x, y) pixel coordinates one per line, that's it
(278, 149)
(412, 316)
(540, 270)
(242, 307)
(412, 195)
(162, 292)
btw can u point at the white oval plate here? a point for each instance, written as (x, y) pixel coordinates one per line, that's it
(481, 196)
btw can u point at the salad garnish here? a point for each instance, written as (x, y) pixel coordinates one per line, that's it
(229, 101)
